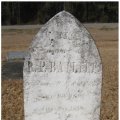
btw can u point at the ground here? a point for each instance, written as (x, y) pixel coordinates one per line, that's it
(106, 38)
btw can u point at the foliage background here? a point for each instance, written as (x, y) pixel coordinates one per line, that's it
(40, 12)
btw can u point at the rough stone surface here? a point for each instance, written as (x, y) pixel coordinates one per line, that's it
(62, 72)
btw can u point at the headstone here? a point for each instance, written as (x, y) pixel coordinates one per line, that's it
(62, 72)
(19, 55)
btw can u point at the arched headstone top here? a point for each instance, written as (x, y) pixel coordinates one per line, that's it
(65, 35)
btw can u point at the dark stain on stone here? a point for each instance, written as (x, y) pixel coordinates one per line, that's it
(52, 40)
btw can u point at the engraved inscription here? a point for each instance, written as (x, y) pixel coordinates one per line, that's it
(75, 67)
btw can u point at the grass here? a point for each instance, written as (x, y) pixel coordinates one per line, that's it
(107, 29)
(19, 31)
(107, 43)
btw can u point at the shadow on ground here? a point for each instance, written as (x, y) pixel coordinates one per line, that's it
(12, 70)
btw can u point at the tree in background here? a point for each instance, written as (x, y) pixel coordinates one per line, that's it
(40, 12)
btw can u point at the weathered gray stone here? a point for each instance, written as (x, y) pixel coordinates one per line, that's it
(13, 55)
(62, 72)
